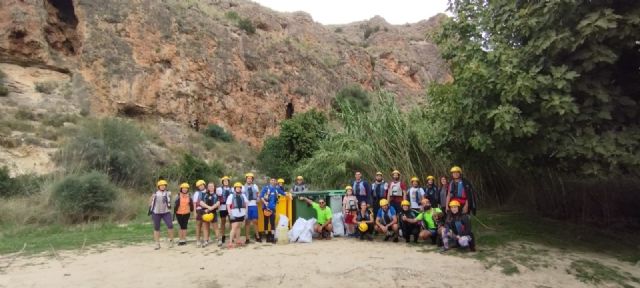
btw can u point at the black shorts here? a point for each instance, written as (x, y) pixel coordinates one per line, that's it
(183, 220)
(224, 213)
(234, 220)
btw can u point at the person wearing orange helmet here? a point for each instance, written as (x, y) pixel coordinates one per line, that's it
(457, 229)
(461, 190)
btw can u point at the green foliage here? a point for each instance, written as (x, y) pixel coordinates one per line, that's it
(58, 119)
(46, 87)
(299, 138)
(22, 185)
(352, 96)
(588, 271)
(85, 196)
(368, 31)
(110, 145)
(191, 169)
(6, 183)
(247, 25)
(4, 91)
(540, 84)
(24, 114)
(216, 132)
(232, 15)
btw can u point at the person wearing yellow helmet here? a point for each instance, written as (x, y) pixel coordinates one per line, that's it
(378, 191)
(349, 207)
(361, 189)
(431, 190)
(209, 203)
(299, 186)
(182, 208)
(324, 216)
(223, 192)
(396, 191)
(408, 223)
(160, 210)
(201, 189)
(251, 191)
(415, 194)
(237, 204)
(387, 221)
(269, 198)
(460, 189)
(457, 228)
(365, 216)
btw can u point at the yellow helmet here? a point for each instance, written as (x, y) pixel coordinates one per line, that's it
(395, 172)
(363, 227)
(237, 184)
(454, 203)
(299, 178)
(162, 183)
(249, 175)
(384, 202)
(280, 180)
(414, 178)
(207, 217)
(405, 203)
(430, 177)
(348, 188)
(456, 169)
(200, 182)
(378, 173)
(184, 185)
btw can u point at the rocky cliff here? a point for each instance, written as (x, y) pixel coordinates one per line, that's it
(202, 59)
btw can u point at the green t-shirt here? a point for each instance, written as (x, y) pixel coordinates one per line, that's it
(323, 214)
(427, 217)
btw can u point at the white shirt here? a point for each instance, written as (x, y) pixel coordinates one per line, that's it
(223, 207)
(196, 198)
(412, 196)
(256, 193)
(234, 212)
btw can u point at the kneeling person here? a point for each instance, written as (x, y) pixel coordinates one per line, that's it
(323, 217)
(409, 223)
(387, 221)
(428, 219)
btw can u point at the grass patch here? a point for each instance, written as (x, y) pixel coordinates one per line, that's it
(46, 87)
(592, 272)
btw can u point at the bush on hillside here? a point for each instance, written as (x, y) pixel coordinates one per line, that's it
(191, 168)
(351, 97)
(247, 25)
(84, 197)
(112, 146)
(216, 132)
(22, 185)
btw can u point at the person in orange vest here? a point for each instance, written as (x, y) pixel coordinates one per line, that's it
(182, 209)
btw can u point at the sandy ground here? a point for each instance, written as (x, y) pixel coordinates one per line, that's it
(339, 262)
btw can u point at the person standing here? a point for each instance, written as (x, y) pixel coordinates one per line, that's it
(361, 189)
(444, 188)
(237, 205)
(415, 194)
(299, 186)
(431, 190)
(223, 193)
(378, 191)
(250, 190)
(396, 191)
(461, 190)
(160, 210)
(183, 206)
(269, 198)
(209, 203)
(197, 197)
(349, 207)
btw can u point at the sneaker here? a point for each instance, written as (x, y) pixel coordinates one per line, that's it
(205, 243)
(157, 246)
(220, 242)
(182, 243)
(170, 243)
(395, 239)
(198, 244)
(259, 239)
(443, 250)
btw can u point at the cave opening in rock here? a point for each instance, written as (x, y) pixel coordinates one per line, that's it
(289, 110)
(66, 11)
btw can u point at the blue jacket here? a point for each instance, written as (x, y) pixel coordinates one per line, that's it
(270, 194)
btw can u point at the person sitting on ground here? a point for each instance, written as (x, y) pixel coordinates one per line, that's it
(364, 216)
(299, 186)
(160, 210)
(350, 206)
(415, 194)
(209, 203)
(396, 190)
(269, 198)
(461, 190)
(408, 222)
(457, 228)
(324, 216)
(182, 208)
(387, 221)
(237, 204)
(431, 190)
(428, 219)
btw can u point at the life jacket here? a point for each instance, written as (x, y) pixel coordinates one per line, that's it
(378, 189)
(199, 194)
(457, 190)
(359, 188)
(209, 198)
(432, 194)
(238, 201)
(395, 189)
(251, 195)
(299, 188)
(416, 190)
(386, 216)
(365, 217)
(165, 200)
(226, 191)
(352, 204)
(271, 196)
(463, 192)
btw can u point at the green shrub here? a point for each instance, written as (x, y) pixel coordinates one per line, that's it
(24, 114)
(216, 132)
(84, 197)
(191, 168)
(232, 15)
(4, 91)
(247, 25)
(352, 97)
(22, 185)
(46, 87)
(58, 119)
(111, 145)
(6, 182)
(370, 30)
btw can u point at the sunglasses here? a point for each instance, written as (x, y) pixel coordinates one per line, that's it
(321, 202)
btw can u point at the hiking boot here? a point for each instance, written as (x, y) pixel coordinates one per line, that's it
(395, 239)
(157, 246)
(220, 242)
(224, 238)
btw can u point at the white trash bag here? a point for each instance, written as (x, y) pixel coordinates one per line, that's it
(283, 221)
(338, 224)
(307, 234)
(298, 228)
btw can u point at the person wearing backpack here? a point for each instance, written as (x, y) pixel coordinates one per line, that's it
(415, 194)
(350, 207)
(461, 190)
(223, 193)
(396, 191)
(182, 208)
(431, 190)
(250, 190)
(209, 203)
(378, 191)
(160, 210)
(237, 204)
(299, 186)
(361, 189)
(197, 196)
(269, 198)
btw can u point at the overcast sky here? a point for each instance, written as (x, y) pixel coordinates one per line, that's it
(346, 11)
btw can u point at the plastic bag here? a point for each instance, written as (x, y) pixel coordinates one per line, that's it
(298, 228)
(307, 235)
(283, 221)
(338, 224)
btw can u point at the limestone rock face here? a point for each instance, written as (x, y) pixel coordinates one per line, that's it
(187, 60)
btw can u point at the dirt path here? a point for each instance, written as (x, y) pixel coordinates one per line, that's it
(340, 262)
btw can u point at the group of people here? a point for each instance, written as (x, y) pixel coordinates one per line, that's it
(435, 212)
